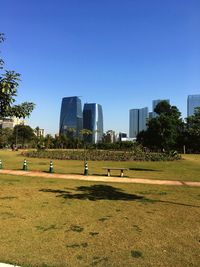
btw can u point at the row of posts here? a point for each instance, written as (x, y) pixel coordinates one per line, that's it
(51, 167)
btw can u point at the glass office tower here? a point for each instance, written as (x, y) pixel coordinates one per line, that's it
(137, 121)
(133, 122)
(71, 116)
(143, 117)
(93, 121)
(193, 102)
(155, 103)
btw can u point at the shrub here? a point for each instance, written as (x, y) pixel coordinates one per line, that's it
(105, 155)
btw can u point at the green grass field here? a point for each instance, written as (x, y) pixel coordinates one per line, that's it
(55, 222)
(52, 222)
(187, 169)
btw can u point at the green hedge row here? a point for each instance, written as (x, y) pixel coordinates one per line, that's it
(103, 155)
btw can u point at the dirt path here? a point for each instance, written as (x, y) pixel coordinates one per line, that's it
(97, 178)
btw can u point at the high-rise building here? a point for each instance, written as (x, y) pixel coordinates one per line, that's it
(137, 121)
(71, 116)
(143, 117)
(193, 101)
(93, 121)
(133, 123)
(150, 115)
(155, 103)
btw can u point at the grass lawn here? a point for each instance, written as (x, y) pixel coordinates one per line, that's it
(52, 222)
(187, 169)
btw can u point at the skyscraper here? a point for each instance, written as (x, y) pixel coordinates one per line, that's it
(93, 121)
(71, 117)
(155, 103)
(137, 121)
(143, 117)
(133, 123)
(193, 101)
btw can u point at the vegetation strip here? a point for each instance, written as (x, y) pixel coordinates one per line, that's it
(98, 178)
(137, 153)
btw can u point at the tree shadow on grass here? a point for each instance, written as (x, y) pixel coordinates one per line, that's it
(107, 192)
(95, 192)
(178, 203)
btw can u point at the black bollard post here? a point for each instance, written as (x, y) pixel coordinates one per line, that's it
(86, 169)
(51, 170)
(25, 168)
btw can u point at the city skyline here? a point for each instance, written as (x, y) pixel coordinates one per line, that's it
(121, 55)
(91, 116)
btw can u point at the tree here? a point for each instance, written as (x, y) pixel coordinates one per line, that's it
(48, 141)
(9, 82)
(5, 137)
(192, 140)
(163, 132)
(86, 133)
(57, 142)
(23, 135)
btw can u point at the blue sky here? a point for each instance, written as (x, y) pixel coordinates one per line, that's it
(121, 54)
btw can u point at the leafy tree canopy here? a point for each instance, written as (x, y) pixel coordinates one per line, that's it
(9, 83)
(5, 137)
(193, 123)
(165, 108)
(23, 134)
(164, 130)
(192, 132)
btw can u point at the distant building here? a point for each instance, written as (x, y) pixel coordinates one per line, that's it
(133, 122)
(71, 117)
(39, 132)
(93, 121)
(137, 121)
(143, 117)
(155, 103)
(193, 101)
(150, 115)
(109, 136)
(11, 122)
(122, 137)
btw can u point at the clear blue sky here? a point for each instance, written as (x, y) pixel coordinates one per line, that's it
(121, 54)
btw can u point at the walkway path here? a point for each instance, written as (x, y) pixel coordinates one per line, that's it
(97, 178)
(7, 265)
